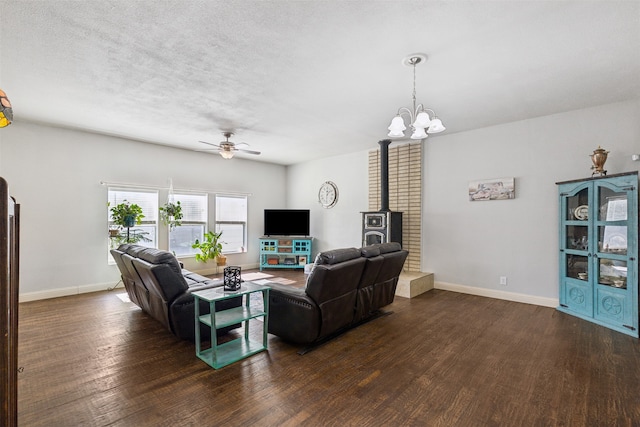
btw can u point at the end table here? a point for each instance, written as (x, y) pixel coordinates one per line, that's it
(218, 356)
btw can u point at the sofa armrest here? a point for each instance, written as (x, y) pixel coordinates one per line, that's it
(287, 289)
(293, 315)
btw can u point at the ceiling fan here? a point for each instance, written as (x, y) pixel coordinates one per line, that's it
(227, 148)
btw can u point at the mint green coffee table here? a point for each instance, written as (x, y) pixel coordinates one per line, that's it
(218, 356)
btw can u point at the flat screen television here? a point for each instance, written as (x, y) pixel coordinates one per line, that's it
(286, 222)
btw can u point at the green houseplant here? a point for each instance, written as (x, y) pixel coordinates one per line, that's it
(126, 214)
(210, 247)
(171, 214)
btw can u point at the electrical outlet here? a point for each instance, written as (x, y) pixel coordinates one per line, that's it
(503, 280)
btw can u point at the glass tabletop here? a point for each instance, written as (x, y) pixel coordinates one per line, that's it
(219, 293)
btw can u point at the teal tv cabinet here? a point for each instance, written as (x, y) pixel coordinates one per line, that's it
(599, 250)
(285, 252)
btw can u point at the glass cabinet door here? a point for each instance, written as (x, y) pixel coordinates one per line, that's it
(613, 260)
(612, 237)
(576, 246)
(577, 205)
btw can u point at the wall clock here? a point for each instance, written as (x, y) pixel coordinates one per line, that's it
(328, 195)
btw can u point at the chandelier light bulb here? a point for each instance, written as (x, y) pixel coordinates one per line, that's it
(436, 126)
(419, 133)
(395, 134)
(422, 121)
(397, 127)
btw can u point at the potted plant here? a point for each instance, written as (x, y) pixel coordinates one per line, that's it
(171, 214)
(126, 214)
(210, 248)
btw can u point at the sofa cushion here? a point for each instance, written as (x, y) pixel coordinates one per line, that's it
(156, 256)
(132, 250)
(370, 251)
(200, 286)
(123, 247)
(389, 247)
(195, 277)
(339, 255)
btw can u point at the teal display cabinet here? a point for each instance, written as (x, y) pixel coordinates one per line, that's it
(285, 252)
(599, 250)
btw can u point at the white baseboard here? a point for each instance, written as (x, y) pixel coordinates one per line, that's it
(494, 293)
(65, 292)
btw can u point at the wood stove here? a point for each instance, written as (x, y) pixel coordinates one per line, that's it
(382, 226)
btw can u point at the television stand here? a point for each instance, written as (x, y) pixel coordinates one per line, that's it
(284, 252)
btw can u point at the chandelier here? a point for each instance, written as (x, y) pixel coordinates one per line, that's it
(420, 121)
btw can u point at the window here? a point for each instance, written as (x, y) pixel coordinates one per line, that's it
(231, 219)
(194, 222)
(144, 234)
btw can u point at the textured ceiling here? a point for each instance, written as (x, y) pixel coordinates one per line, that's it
(299, 80)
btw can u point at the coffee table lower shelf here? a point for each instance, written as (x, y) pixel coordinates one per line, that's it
(230, 352)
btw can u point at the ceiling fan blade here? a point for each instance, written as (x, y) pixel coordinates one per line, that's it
(227, 146)
(247, 151)
(208, 143)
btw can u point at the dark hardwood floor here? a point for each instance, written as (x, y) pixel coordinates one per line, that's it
(441, 359)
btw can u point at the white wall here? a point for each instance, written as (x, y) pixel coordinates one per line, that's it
(54, 174)
(472, 244)
(468, 245)
(339, 226)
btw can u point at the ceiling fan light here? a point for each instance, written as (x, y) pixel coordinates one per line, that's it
(419, 133)
(226, 154)
(436, 126)
(422, 121)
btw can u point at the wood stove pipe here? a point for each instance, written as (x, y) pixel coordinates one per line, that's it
(384, 175)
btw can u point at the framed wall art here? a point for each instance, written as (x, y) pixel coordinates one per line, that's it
(492, 189)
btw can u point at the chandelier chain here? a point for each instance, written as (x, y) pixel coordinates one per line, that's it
(414, 85)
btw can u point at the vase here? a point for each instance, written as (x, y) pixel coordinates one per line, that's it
(599, 157)
(129, 220)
